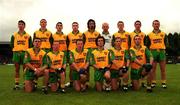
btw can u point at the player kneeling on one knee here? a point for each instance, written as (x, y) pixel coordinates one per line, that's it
(36, 64)
(57, 65)
(141, 64)
(57, 80)
(101, 59)
(79, 62)
(120, 64)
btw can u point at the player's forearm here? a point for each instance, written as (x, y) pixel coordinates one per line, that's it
(95, 66)
(86, 65)
(64, 66)
(114, 63)
(137, 62)
(30, 66)
(44, 67)
(75, 66)
(53, 67)
(108, 66)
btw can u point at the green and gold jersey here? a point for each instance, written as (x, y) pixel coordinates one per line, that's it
(157, 41)
(45, 38)
(56, 60)
(140, 34)
(61, 38)
(120, 57)
(21, 42)
(142, 55)
(124, 38)
(37, 60)
(72, 39)
(90, 39)
(101, 58)
(80, 59)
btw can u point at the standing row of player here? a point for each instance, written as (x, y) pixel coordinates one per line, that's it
(156, 41)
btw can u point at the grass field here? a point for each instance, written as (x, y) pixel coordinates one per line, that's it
(160, 96)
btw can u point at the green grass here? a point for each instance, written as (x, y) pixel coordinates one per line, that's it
(160, 96)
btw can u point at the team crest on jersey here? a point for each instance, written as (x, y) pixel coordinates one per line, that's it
(84, 54)
(126, 35)
(25, 37)
(141, 36)
(80, 36)
(161, 35)
(109, 36)
(122, 52)
(64, 37)
(47, 34)
(142, 51)
(60, 56)
(105, 53)
(96, 34)
(40, 57)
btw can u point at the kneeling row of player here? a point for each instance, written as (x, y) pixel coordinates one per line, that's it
(109, 65)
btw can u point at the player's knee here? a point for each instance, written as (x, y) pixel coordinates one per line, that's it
(114, 87)
(78, 89)
(99, 89)
(46, 71)
(28, 86)
(77, 86)
(53, 87)
(136, 85)
(98, 86)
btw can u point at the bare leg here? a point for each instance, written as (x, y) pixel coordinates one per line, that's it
(28, 86)
(163, 70)
(136, 85)
(77, 85)
(153, 74)
(99, 86)
(54, 87)
(17, 72)
(46, 77)
(114, 84)
(163, 73)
